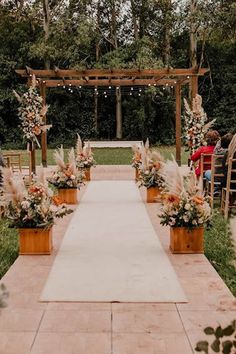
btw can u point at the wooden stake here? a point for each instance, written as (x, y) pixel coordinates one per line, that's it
(44, 134)
(32, 157)
(178, 122)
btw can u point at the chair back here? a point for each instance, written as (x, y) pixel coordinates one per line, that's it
(205, 163)
(231, 175)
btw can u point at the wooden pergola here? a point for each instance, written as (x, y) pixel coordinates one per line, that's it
(117, 78)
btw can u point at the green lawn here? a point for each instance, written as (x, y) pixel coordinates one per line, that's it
(220, 250)
(8, 247)
(108, 156)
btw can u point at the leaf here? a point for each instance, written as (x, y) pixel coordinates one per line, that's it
(227, 346)
(209, 330)
(216, 345)
(228, 331)
(202, 347)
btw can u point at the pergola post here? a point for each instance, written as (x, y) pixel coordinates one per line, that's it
(178, 122)
(44, 133)
(193, 87)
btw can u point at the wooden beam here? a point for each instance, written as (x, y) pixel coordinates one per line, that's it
(112, 73)
(178, 122)
(110, 82)
(44, 133)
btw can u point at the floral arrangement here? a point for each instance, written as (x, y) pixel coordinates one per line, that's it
(184, 204)
(33, 207)
(66, 174)
(84, 155)
(137, 158)
(31, 113)
(150, 172)
(196, 126)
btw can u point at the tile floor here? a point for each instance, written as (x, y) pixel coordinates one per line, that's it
(28, 326)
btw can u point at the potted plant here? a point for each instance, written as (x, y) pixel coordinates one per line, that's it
(185, 209)
(66, 178)
(32, 211)
(84, 158)
(150, 175)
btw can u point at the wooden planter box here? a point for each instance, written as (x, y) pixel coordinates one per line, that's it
(153, 195)
(186, 240)
(87, 174)
(68, 195)
(35, 241)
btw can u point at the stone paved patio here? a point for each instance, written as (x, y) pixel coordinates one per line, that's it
(28, 326)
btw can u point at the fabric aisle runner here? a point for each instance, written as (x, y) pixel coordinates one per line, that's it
(110, 252)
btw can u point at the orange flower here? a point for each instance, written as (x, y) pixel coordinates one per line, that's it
(57, 200)
(157, 165)
(171, 198)
(37, 130)
(198, 200)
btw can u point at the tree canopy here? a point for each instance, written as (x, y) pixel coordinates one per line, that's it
(117, 34)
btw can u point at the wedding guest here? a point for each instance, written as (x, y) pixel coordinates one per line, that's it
(212, 138)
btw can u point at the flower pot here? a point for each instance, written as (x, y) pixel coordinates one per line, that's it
(186, 240)
(87, 174)
(68, 195)
(35, 241)
(137, 173)
(153, 195)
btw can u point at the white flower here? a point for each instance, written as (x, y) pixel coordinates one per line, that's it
(72, 177)
(25, 204)
(187, 206)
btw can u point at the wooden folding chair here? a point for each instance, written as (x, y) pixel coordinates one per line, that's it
(205, 165)
(229, 192)
(13, 161)
(216, 177)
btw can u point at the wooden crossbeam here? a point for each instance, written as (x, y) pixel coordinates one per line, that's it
(116, 73)
(112, 82)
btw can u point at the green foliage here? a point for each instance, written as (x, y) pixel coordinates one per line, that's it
(219, 345)
(8, 246)
(219, 249)
(76, 32)
(3, 296)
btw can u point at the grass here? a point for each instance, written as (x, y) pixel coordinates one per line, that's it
(220, 250)
(106, 156)
(8, 246)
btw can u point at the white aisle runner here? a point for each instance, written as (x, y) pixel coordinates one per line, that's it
(111, 252)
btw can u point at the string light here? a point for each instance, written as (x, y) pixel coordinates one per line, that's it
(149, 85)
(64, 87)
(69, 84)
(110, 87)
(95, 89)
(140, 90)
(80, 87)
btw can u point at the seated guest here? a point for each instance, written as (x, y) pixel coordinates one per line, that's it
(220, 149)
(212, 138)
